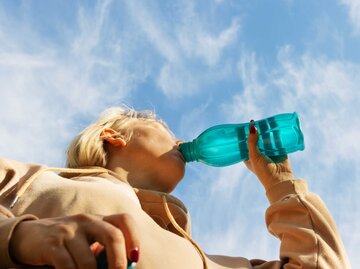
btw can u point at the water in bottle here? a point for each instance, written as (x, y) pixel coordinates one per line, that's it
(226, 144)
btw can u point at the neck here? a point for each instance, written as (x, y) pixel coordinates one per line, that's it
(131, 173)
(118, 170)
(124, 172)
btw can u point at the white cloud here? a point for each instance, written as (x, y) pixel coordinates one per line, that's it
(46, 90)
(177, 81)
(197, 41)
(24, 61)
(252, 102)
(157, 33)
(231, 204)
(353, 7)
(325, 93)
(182, 44)
(89, 69)
(91, 24)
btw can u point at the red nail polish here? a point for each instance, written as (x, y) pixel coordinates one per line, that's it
(252, 129)
(134, 255)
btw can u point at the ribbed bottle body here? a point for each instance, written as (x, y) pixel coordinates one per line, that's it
(226, 144)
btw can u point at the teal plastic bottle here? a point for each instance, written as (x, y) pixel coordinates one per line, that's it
(226, 144)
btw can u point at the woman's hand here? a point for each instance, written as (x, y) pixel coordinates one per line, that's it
(73, 242)
(268, 172)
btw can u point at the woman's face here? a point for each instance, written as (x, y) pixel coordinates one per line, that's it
(155, 158)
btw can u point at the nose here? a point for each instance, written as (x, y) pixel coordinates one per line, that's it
(178, 142)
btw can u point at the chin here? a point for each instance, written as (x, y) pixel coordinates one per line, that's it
(172, 183)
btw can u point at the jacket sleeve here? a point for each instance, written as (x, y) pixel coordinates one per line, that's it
(308, 234)
(7, 226)
(11, 173)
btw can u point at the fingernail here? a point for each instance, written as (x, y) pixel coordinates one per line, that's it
(252, 129)
(134, 255)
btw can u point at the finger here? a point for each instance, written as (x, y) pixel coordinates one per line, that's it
(254, 153)
(80, 251)
(114, 242)
(116, 250)
(128, 227)
(96, 248)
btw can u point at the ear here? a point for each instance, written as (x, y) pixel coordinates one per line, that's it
(109, 135)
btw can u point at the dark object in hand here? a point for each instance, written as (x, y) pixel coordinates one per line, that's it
(101, 260)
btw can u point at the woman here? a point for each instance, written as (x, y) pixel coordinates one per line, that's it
(129, 162)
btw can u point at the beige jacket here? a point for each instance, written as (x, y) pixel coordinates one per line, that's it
(308, 234)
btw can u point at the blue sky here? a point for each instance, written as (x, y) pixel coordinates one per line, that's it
(197, 64)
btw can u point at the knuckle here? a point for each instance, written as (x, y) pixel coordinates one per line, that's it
(83, 218)
(64, 230)
(125, 218)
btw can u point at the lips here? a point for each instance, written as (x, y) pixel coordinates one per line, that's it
(181, 156)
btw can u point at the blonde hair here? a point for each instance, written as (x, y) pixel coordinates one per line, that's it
(87, 148)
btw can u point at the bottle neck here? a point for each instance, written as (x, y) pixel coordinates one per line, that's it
(188, 151)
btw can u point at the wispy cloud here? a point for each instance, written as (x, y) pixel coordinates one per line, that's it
(252, 101)
(353, 7)
(93, 65)
(44, 90)
(231, 207)
(156, 32)
(181, 45)
(197, 41)
(309, 86)
(90, 23)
